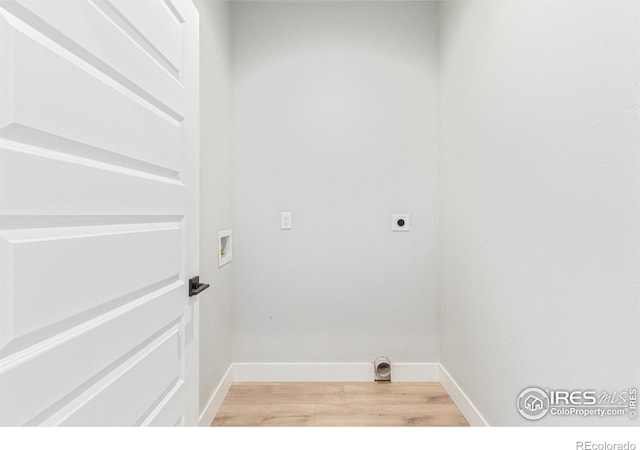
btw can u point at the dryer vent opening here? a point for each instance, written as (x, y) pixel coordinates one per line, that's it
(382, 369)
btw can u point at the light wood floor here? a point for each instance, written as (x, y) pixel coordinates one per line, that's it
(338, 404)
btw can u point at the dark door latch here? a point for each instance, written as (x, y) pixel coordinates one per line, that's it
(195, 287)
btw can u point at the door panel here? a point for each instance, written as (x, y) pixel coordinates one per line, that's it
(98, 404)
(163, 34)
(109, 264)
(84, 34)
(76, 106)
(59, 175)
(43, 378)
(98, 206)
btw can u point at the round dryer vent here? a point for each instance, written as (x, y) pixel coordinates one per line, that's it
(382, 369)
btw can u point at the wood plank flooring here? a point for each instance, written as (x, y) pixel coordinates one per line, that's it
(338, 404)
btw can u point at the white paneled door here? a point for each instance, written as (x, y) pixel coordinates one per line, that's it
(98, 203)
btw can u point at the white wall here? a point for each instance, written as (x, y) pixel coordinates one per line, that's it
(540, 200)
(335, 120)
(215, 194)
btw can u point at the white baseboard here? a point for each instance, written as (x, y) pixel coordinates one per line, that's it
(415, 372)
(468, 410)
(330, 372)
(210, 411)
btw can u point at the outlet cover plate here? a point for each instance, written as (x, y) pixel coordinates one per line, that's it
(286, 220)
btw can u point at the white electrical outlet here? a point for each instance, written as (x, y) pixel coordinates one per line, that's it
(400, 222)
(286, 221)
